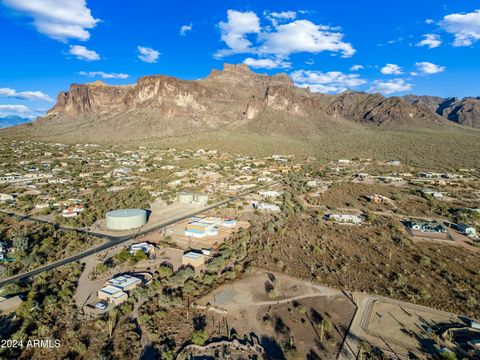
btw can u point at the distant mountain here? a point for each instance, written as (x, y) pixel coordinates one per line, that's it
(12, 120)
(232, 100)
(464, 111)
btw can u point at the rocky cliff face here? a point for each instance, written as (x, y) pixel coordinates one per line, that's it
(464, 111)
(232, 99)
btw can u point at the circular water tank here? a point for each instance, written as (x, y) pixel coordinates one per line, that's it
(126, 219)
(202, 198)
(185, 197)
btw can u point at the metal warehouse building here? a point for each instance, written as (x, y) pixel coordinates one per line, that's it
(126, 219)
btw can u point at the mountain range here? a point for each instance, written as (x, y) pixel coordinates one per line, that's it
(237, 109)
(12, 120)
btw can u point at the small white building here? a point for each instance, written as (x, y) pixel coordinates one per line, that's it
(143, 246)
(266, 207)
(344, 218)
(433, 193)
(268, 194)
(467, 230)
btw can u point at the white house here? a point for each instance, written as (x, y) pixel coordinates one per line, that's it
(268, 193)
(266, 207)
(467, 230)
(344, 218)
(143, 246)
(430, 192)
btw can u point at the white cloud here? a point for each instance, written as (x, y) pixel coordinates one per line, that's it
(465, 27)
(429, 68)
(391, 69)
(18, 109)
(148, 55)
(58, 19)
(82, 53)
(284, 39)
(24, 95)
(234, 31)
(390, 86)
(267, 63)
(356, 67)
(276, 17)
(328, 82)
(429, 21)
(185, 28)
(304, 36)
(104, 75)
(430, 40)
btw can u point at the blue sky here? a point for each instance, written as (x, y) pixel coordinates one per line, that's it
(393, 47)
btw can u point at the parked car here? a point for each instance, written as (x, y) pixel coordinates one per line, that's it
(102, 305)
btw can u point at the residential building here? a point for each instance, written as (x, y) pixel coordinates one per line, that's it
(266, 207)
(200, 229)
(143, 246)
(112, 294)
(428, 226)
(466, 230)
(433, 193)
(344, 218)
(124, 282)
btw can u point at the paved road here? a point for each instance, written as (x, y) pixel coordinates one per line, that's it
(113, 240)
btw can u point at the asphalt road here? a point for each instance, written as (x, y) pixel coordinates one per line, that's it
(112, 240)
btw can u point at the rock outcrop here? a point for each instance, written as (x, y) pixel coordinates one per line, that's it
(232, 99)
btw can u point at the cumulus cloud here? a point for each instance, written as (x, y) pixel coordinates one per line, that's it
(24, 95)
(304, 36)
(326, 82)
(234, 32)
(82, 53)
(431, 41)
(283, 39)
(356, 67)
(185, 28)
(390, 86)
(57, 19)
(391, 69)
(465, 27)
(276, 17)
(429, 21)
(429, 68)
(148, 55)
(104, 75)
(267, 63)
(17, 109)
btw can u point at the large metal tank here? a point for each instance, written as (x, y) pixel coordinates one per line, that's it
(126, 219)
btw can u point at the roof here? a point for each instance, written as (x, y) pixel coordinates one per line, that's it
(111, 290)
(123, 281)
(195, 231)
(126, 213)
(193, 255)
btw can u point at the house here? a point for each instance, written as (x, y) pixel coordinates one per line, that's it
(268, 194)
(112, 294)
(230, 223)
(466, 230)
(6, 197)
(428, 226)
(266, 207)
(124, 282)
(72, 211)
(193, 258)
(143, 246)
(393, 162)
(433, 193)
(8, 305)
(344, 218)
